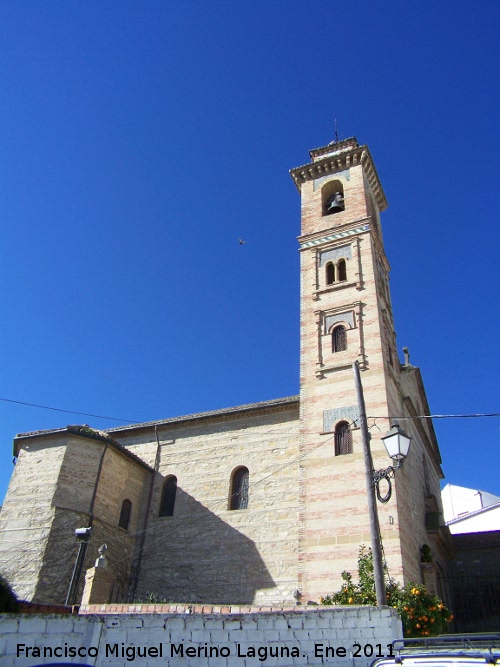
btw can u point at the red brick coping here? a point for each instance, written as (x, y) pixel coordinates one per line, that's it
(146, 608)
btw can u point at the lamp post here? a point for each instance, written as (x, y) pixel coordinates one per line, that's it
(397, 444)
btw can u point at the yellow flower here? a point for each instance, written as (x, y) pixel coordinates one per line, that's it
(351, 600)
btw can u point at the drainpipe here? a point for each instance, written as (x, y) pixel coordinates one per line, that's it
(82, 551)
(137, 567)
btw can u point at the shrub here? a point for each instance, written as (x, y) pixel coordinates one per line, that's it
(422, 614)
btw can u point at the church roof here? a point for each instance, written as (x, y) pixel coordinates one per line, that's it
(83, 431)
(250, 407)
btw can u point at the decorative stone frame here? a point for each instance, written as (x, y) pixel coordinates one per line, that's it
(344, 248)
(349, 316)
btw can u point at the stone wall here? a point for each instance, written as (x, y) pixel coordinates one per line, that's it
(339, 636)
(61, 482)
(206, 552)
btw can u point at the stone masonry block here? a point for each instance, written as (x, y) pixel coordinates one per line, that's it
(214, 623)
(200, 636)
(310, 622)
(336, 622)
(64, 625)
(296, 621)
(232, 625)
(194, 622)
(177, 637)
(265, 622)
(116, 636)
(177, 623)
(217, 662)
(256, 636)
(322, 623)
(280, 623)
(219, 636)
(32, 624)
(248, 623)
(307, 647)
(136, 637)
(239, 636)
(8, 624)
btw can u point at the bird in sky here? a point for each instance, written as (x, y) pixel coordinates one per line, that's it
(241, 241)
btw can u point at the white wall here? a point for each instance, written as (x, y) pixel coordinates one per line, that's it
(307, 631)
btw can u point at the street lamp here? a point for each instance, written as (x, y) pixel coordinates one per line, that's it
(397, 444)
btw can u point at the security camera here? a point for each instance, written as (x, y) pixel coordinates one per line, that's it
(83, 533)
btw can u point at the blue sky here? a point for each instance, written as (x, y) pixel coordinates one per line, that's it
(140, 140)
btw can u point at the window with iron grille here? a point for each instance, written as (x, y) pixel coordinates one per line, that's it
(339, 339)
(125, 513)
(343, 439)
(239, 489)
(168, 496)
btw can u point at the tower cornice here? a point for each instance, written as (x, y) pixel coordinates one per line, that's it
(337, 157)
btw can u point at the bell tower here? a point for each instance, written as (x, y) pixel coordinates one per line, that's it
(345, 316)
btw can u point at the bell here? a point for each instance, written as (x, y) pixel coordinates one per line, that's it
(335, 203)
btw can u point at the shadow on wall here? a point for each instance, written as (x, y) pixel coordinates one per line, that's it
(195, 556)
(62, 550)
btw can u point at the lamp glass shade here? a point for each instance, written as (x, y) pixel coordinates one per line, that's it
(397, 443)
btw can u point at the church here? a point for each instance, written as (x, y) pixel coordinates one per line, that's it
(260, 504)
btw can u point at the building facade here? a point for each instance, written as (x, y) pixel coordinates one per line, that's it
(264, 503)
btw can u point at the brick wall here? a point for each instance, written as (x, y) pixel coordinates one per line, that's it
(305, 637)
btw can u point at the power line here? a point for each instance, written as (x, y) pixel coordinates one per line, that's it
(138, 421)
(71, 412)
(479, 414)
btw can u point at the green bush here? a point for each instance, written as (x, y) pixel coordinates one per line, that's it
(422, 614)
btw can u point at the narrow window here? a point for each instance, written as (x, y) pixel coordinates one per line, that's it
(343, 439)
(330, 273)
(125, 514)
(168, 496)
(339, 339)
(341, 270)
(239, 490)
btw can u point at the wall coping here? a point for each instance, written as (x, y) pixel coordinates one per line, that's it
(145, 608)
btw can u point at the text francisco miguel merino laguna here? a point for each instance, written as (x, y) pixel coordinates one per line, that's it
(261, 652)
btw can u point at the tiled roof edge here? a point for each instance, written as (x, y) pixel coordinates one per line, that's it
(276, 402)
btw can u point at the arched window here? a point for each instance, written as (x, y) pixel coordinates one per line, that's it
(168, 496)
(339, 339)
(124, 519)
(239, 490)
(330, 273)
(343, 439)
(341, 270)
(332, 197)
